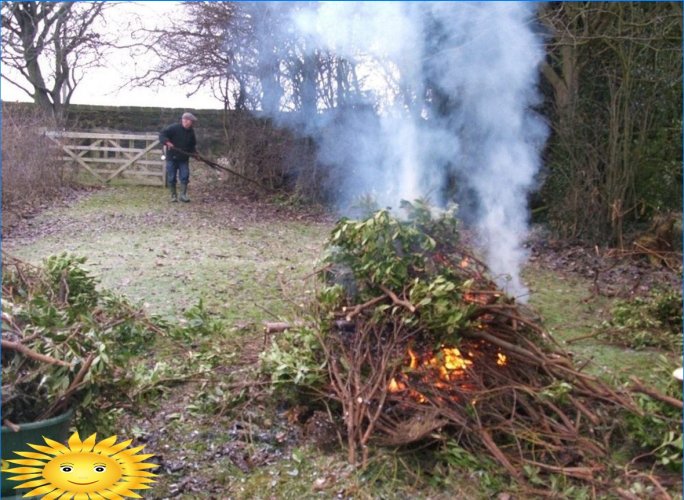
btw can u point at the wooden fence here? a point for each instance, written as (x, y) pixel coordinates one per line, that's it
(127, 157)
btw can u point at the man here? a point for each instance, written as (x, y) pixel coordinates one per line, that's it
(180, 143)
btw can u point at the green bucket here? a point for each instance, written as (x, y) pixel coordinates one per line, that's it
(56, 428)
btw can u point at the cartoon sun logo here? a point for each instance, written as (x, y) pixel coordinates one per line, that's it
(84, 470)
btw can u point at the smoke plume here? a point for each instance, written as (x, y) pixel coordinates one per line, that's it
(457, 83)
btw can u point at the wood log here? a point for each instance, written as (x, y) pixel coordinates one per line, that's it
(280, 326)
(638, 386)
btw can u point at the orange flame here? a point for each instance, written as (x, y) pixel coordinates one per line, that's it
(446, 370)
(395, 386)
(501, 359)
(414, 360)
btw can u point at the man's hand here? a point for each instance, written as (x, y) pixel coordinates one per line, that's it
(196, 155)
(168, 144)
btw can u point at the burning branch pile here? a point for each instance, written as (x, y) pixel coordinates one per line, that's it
(420, 344)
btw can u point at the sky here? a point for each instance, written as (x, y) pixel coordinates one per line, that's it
(101, 86)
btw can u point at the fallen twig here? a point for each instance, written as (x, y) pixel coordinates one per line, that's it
(73, 387)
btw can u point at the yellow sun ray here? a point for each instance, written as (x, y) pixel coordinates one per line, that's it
(145, 466)
(24, 477)
(36, 483)
(22, 470)
(117, 448)
(53, 495)
(104, 445)
(110, 495)
(122, 489)
(131, 451)
(57, 446)
(75, 443)
(42, 490)
(142, 473)
(26, 461)
(31, 454)
(46, 449)
(89, 443)
(140, 458)
(144, 480)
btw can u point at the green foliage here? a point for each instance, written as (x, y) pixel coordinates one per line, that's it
(384, 252)
(654, 321)
(197, 322)
(294, 359)
(380, 249)
(454, 461)
(72, 282)
(658, 430)
(442, 305)
(57, 311)
(365, 258)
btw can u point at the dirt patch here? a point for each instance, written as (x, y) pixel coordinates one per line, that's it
(612, 273)
(18, 217)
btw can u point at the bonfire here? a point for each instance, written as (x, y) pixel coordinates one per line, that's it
(420, 344)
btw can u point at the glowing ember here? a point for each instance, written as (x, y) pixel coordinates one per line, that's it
(449, 362)
(477, 298)
(395, 386)
(414, 360)
(445, 370)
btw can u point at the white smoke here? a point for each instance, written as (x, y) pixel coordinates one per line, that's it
(475, 128)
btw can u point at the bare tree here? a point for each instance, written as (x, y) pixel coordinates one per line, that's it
(49, 45)
(205, 47)
(249, 55)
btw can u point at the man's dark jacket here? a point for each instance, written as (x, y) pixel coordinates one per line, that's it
(182, 138)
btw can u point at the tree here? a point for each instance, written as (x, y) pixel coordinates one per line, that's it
(49, 45)
(199, 50)
(250, 55)
(614, 77)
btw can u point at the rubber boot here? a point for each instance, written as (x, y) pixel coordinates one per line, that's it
(174, 196)
(184, 193)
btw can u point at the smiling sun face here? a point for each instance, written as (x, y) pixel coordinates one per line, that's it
(86, 468)
(82, 472)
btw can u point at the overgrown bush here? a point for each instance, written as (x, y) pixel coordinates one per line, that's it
(273, 156)
(653, 321)
(31, 169)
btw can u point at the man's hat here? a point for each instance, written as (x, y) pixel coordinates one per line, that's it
(189, 116)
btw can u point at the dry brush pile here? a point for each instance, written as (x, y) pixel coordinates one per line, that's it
(418, 344)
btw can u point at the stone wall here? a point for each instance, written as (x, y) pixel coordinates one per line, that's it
(210, 129)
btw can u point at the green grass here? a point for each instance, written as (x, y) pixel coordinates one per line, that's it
(572, 314)
(169, 256)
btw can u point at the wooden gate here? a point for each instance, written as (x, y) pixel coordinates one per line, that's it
(127, 157)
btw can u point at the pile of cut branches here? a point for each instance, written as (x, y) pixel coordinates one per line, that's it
(65, 343)
(420, 344)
